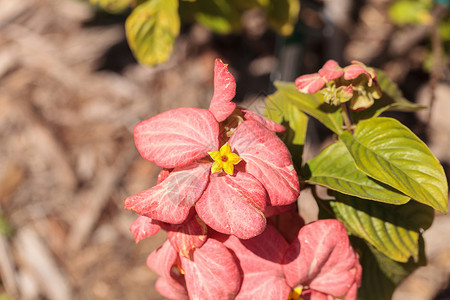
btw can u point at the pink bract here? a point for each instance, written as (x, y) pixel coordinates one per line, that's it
(179, 141)
(331, 71)
(260, 259)
(323, 259)
(212, 273)
(144, 227)
(310, 83)
(224, 91)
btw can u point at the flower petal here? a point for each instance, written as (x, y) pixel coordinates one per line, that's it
(309, 83)
(271, 125)
(233, 205)
(216, 155)
(224, 91)
(171, 200)
(144, 227)
(162, 262)
(189, 236)
(355, 69)
(268, 159)
(233, 158)
(331, 71)
(168, 290)
(177, 137)
(212, 273)
(260, 259)
(323, 259)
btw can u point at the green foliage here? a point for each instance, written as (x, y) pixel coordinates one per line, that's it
(6, 228)
(411, 12)
(389, 152)
(381, 275)
(154, 25)
(151, 30)
(114, 6)
(393, 230)
(383, 180)
(220, 16)
(313, 105)
(281, 14)
(281, 110)
(343, 176)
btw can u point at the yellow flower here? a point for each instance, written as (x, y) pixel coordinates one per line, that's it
(295, 294)
(224, 159)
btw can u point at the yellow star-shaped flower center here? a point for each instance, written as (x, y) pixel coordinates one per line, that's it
(224, 159)
(296, 293)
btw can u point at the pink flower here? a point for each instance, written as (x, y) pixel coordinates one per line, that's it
(355, 83)
(322, 262)
(318, 264)
(212, 273)
(225, 162)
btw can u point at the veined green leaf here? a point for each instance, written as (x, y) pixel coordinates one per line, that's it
(391, 229)
(313, 105)
(282, 111)
(391, 99)
(151, 30)
(381, 275)
(389, 152)
(335, 169)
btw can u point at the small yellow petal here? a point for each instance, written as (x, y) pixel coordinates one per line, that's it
(225, 149)
(216, 167)
(215, 155)
(228, 168)
(233, 158)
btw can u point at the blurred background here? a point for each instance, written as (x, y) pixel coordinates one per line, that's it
(71, 92)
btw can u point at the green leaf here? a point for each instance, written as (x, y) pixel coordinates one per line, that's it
(113, 6)
(381, 275)
(391, 99)
(282, 15)
(389, 152)
(335, 169)
(404, 12)
(313, 105)
(282, 111)
(151, 30)
(393, 230)
(220, 16)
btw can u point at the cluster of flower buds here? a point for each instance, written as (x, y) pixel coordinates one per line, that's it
(356, 83)
(225, 174)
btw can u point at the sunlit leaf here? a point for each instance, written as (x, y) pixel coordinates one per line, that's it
(389, 152)
(393, 230)
(334, 168)
(151, 30)
(281, 110)
(313, 105)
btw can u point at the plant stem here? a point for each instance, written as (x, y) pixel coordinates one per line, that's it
(346, 116)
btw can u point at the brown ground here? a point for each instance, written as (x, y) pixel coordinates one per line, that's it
(70, 94)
